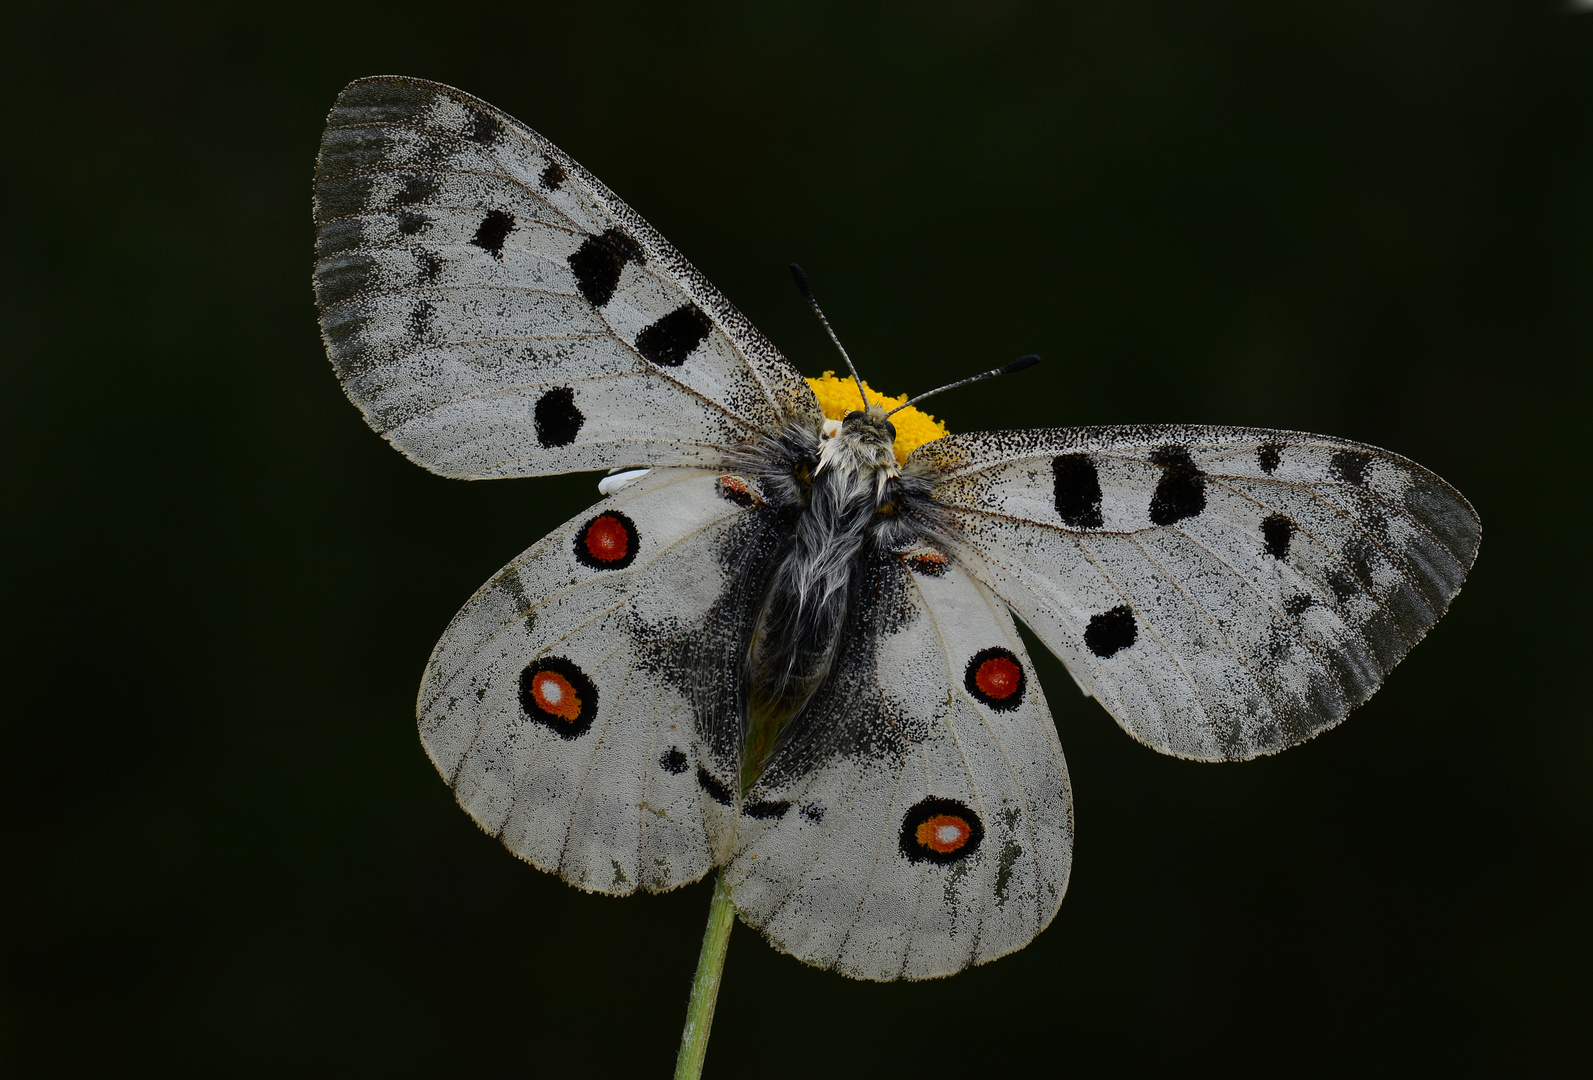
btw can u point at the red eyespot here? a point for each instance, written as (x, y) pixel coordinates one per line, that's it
(607, 542)
(940, 831)
(995, 677)
(999, 677)
(557, 694)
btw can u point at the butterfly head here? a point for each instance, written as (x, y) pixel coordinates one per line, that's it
(863, 446)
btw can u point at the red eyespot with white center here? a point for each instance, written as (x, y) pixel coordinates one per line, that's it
(556, 693)
(996, 678)
(940, 831)
(607, 542)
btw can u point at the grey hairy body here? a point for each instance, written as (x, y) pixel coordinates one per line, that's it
(847, 495)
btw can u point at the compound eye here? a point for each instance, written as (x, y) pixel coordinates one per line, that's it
(890, 427)
(853, 415)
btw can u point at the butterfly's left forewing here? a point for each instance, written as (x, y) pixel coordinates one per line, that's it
(917, 820)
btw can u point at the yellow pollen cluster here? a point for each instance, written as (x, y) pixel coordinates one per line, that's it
(837, 397)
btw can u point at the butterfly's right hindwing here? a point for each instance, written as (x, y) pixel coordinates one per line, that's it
(494, 310)
(562, 702)
(931, 719)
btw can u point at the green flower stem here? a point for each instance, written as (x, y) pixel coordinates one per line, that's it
(705, 985)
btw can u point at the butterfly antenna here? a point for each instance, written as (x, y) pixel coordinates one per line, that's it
(1005, 369)
(807, 291)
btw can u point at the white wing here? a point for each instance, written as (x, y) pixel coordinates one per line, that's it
(494, 310)
(932, 722)
(561, 703)
(1223, 592)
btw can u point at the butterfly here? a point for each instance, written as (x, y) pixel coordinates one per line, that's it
(775, 647)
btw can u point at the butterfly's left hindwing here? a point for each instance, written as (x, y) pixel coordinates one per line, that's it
(563, 702)
(917, 819)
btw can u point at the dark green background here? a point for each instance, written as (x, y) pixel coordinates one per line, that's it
(225, 850)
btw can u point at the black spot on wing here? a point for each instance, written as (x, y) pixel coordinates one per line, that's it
(1268, 456)
(417, 188)
(766, 811)
(1342, 584)
(483, 129)
(1181, 492)
(427, 264)
(1077, 491)
(1349, 466)
(812, 812)
(410, 222)
(1297, 604)
(1110, 632)
(1363, 558)
(552, 176)
(494, 230)
(556, 417)
(673, 760)
(1277, 531)
(927, 562)
(599, 261)
(672, 338)
(716, 790)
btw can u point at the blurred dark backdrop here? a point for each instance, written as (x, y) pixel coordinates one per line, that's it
(226, 852)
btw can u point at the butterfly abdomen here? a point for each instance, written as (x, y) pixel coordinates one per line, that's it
(849, 503)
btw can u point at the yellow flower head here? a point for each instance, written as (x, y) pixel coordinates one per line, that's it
(837, 397)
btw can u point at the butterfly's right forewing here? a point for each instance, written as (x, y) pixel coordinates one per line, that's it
(1223, 592)
(494, 310)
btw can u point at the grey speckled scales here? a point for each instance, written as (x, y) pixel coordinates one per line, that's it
(1224, 592)
(494, 310)
(820, 866)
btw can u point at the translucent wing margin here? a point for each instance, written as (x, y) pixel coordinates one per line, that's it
(562, 702)
(494, 310)
(918, 821)
(1223, 592)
